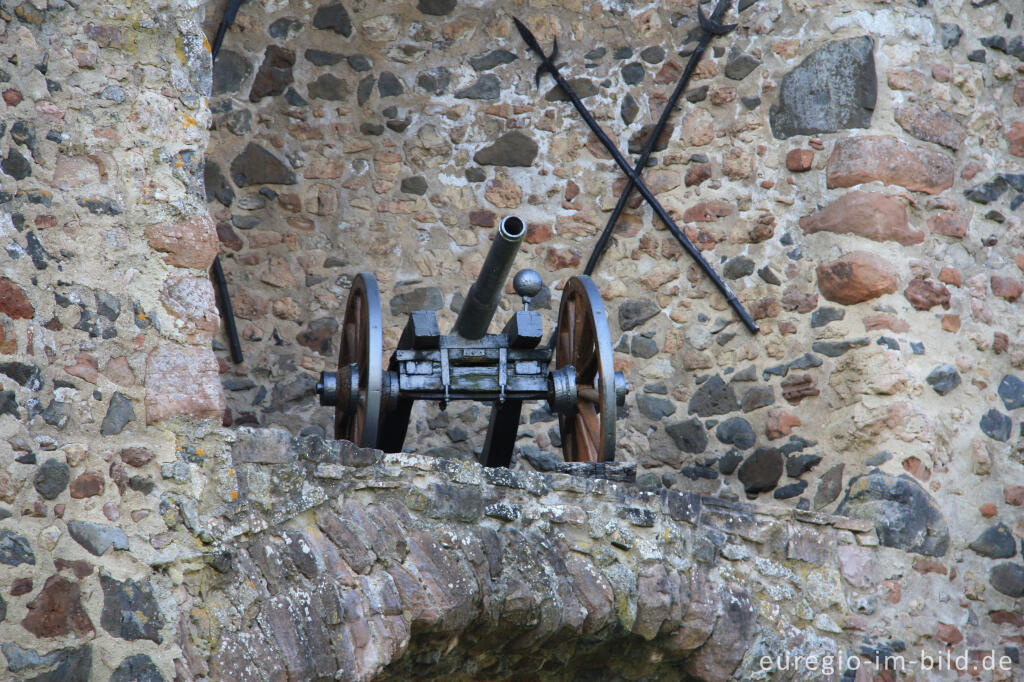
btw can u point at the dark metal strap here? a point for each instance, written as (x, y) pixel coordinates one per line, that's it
(217, 271)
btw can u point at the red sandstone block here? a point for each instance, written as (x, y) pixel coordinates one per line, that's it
(799, 160)
(182, 381)
(887, 159)
(858, 276)
(13, 301)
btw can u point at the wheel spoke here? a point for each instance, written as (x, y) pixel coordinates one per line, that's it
(357, 426)
(349, 341)
(592, 420)
(589, 449)
(580, 337)
(586, 361)
(570, 329)
(588, 394)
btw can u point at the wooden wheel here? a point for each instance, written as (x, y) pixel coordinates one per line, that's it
(357, 411)
(584, 342)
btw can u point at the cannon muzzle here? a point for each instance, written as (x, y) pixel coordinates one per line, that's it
(483, 297)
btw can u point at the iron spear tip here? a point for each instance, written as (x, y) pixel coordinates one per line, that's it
(528, 37)
(711, 25)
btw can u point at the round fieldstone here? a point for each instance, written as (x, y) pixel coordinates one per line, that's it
(329, 87)
(737, 267)
(359, 62)
(629, 109)
(137, 668)
(87, 484)
(798, 465)
(736, 431)
(758, 397)
(416, 184)
(1008, 578)
(988, 192)
(294, 98)
(634, 312)
(15, 549)
(843, 72)
(511, 149)
(485, 87)
(16, 165)
(943, 379)
(653, 54)
(229, 72)
(333, 18)
(318, 335)
(256, 166)
(1011, 392)
(436, 8)
(996, 543)
(761, 471)
(217, 186)
(389, 85)
(792, 490)
(950, 35)
(689, 436)
(633, 73)
(120, 412)
(696, 472)
(492, 59)
(728, 462)
(274, 75)
(740, 64)
(435, 81)
(322, 57)
(583, 87)
(654, 407)
(822, 316)
(365, 89)
(712, 398)
(51, 478)
(996, 425)
(282, 28)
(130, 609)
(829, 487)
(905, 515)
(643, 347)
(423, 298)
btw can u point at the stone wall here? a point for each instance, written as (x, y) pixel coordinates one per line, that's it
(882, 263)
(403, 566)
(107, 316)
(851, 174)
(854, 174)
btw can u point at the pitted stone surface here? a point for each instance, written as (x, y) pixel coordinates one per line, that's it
(399, 555)
(833, 88)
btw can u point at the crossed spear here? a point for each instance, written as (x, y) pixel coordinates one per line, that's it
(711, 26)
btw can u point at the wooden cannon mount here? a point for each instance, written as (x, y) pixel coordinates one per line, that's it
(372, 404)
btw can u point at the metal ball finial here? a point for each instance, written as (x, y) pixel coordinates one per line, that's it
(527, 283)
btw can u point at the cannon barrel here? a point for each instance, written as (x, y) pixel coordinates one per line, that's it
(485, 294)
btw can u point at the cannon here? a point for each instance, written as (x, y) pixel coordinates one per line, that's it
(372, 403)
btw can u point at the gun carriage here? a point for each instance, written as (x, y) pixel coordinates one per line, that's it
(373, 403)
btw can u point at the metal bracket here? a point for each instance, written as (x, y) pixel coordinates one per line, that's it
(446, 379)
(502, 374)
